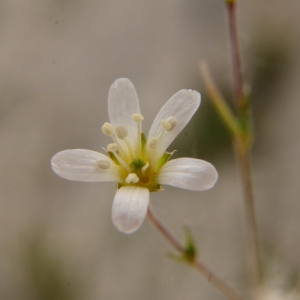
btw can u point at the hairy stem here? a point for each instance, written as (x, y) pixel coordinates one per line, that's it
(224, 288)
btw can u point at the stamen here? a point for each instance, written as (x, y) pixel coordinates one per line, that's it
(160, 136)
(132, 178)
(121, 132)
(108, 129)
(137, 118)
(120, 148)
(152, 145)
(165, 124)
(173, 123)
(169, 124)
(103, 164)
(145, 167)
(112, 147)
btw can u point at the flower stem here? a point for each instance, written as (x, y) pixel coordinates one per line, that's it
(236, 58)
(253, 247)
(243, 149)
(223, 287)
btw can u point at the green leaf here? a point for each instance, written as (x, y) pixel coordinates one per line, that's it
(190, 251)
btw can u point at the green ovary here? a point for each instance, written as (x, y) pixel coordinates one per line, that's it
(137, 164)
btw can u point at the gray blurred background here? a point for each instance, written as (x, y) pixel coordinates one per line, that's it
(58, 59)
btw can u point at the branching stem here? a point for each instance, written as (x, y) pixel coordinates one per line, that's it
(223, 287)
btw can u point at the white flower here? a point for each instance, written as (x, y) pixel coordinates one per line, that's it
(138, 165)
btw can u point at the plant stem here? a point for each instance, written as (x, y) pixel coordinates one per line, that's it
(223, 287)
(253, 247)
(242, 149)
(236, 58)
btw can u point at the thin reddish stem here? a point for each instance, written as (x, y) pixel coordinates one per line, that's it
(223, 287)
(236, 58)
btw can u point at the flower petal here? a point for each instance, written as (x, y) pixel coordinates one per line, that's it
(130, 208)
(123, 102)
(188, 173)
(182, 107)
(81, 165)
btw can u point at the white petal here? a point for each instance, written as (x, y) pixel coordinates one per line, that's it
(123, 102)
(81, 165)
(130, 208)
(182, 107)
(188, 173)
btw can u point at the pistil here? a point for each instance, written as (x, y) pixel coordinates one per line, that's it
(132, 178)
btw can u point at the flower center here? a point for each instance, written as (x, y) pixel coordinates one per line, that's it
(137, 158)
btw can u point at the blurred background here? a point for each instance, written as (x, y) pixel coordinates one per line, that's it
(58, 59)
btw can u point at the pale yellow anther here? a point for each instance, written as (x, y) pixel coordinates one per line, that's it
(132, 178)
(108, 129)
(152, 144)
(169, 124)
(103, 164)
(173, 123)
(121, 132)
(166, 125)
(137, 118)
(112, 147)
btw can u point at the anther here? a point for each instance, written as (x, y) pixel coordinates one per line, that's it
(169, 124)
(112, 147)
(152, 144)
(173, 123)
(132, 178)
(103, 164)
(121, 132)
(108, 129)
(137, 118)
(166, 125)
